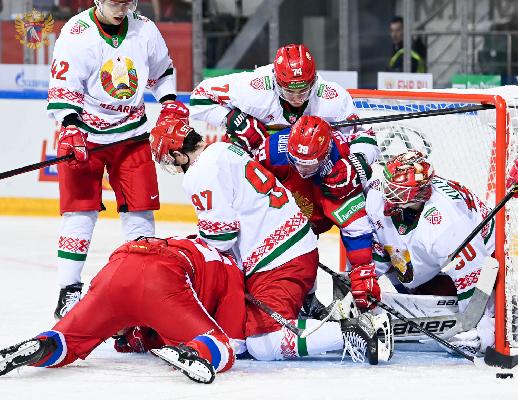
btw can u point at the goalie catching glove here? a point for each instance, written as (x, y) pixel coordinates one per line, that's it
(346, 177)
(364, 283)
(244, 130)
(73, 141)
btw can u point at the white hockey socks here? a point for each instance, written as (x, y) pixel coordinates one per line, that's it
(74, 241)
(137, 223)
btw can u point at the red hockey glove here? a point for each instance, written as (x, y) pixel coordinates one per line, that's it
(72, 141)
(137, 340)
(172, 110)
(364, 283)
(513, 177)
(346, 177)
(244, 130)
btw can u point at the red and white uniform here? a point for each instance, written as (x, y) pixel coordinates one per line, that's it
(173, 286)
(243, 209)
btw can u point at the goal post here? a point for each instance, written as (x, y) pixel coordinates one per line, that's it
(474, 148)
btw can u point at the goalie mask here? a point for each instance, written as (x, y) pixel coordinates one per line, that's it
(295, 73)
(407, 180)
(167, 138)
(309, 145)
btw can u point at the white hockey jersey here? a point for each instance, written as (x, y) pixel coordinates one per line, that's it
(418, 252)
(242, 208)
(102, 78)
(255, 94)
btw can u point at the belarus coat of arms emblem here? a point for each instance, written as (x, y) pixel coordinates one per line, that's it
(33, 29)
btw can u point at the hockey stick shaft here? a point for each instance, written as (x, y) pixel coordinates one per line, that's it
(419, 114)
(478, 228)
(57, 160)
(275, 315)
(401, 317)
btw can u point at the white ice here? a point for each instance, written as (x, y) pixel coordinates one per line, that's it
(28, 295)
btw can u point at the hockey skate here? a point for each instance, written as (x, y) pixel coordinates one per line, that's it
(186, 359)
(69, 296)
(25, 353)
(368, 338)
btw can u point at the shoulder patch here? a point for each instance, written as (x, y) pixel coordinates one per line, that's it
(326, 92)
(261, 83)
(433, 216)
(79, 27)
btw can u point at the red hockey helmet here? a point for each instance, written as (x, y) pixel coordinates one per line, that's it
(166, 138)
(295, 73)
(408, 179)
(309, 145)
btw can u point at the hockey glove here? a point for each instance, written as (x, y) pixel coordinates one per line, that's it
(137, 340)
(244, 130)
(172, 110)
(513, 177)
(346, 177)
(72, 141)
(364, 283)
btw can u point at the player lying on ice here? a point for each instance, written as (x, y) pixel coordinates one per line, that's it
(420, 219)
(276, 96)
(243, 209)
(170, 286)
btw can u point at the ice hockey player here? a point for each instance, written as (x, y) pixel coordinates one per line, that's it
(172, 289)
(274, 97)
(420, 219)
(243, 209)
(102, 62)
(326, 177)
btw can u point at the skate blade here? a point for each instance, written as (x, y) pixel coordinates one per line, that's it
(7, 358)
(197, 370)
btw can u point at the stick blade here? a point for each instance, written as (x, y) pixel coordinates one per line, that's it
(497, 359)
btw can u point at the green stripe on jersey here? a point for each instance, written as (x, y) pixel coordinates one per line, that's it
(64, 106)
(201, 102)
(301, 342)
(71, 256)
(281, 249)
(465, 295)
(220, 237)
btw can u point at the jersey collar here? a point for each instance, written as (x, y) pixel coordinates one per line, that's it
(113, 40)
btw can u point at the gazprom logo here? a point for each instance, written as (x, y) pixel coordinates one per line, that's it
(30, 84)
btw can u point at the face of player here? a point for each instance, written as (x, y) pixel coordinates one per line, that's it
(112, 12)
(396, 32)
(296, 97)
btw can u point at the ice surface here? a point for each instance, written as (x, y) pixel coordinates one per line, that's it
(28, 295)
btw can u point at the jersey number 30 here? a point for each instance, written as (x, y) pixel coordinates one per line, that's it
(264, 182)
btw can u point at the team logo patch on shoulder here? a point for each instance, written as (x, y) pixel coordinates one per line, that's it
(119, 77)
(433, 216)
(326, 92)
(261, 83)
(79, 27)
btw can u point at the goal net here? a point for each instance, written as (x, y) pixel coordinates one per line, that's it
(477, 149)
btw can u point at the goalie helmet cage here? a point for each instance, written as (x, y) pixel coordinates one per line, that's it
(476, 149)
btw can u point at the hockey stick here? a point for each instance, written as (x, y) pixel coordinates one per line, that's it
(419, 114)
(401, 317)
(57, 160)
(450, 264)
(302, 333)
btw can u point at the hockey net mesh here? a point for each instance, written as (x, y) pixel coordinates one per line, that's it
(462, 147)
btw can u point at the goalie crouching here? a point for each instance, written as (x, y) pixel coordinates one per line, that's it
(420, 219)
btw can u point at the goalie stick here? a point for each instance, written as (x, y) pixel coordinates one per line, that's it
(57, 160)
(401, 317)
